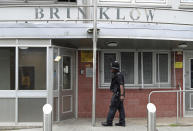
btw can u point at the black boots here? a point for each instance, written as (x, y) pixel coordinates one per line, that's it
(110, 124)
(119, 124)
(106, 124)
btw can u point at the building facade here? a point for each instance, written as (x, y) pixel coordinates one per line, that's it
(46, 53)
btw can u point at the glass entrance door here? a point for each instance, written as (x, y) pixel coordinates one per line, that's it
(67, 84)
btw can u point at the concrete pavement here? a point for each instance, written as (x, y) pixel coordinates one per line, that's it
(163, 124)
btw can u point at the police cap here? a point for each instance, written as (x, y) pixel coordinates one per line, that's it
(115, 65)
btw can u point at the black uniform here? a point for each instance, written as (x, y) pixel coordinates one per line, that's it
(116, 103)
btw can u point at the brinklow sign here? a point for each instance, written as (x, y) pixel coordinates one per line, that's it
(133, 14)
(103, 13)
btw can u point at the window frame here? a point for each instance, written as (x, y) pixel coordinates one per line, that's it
(136, 85)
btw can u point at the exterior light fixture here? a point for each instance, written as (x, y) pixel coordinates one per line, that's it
(90, 30)
(112, 44)
(57, 59)
(183, 45)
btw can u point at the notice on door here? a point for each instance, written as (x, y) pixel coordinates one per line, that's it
(178, 65)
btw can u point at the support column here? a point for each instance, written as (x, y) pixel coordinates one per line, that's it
(94, 62)
(50, 70)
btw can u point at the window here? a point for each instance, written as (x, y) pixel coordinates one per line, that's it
(30, 109)
(151, 67)
(67, 72)
(32, 69)
(108, 59)
(7, 110)
(162, 68)
(127, 66)
(7, 68)
(147, 67)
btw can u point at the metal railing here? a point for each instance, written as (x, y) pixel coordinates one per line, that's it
(177, 104)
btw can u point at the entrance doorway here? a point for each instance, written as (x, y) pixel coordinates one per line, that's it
(65, 80)
(188, 79)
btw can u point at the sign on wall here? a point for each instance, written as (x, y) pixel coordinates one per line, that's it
(178, 65)
(86, 56)
(70, 14)
(89, 72)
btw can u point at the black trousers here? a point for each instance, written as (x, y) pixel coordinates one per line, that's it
(116, 104)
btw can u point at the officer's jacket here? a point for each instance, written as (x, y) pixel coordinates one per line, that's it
(117, 80)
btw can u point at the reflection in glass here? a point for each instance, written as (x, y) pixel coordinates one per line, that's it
(66, 72)
(32, 69)
(7, 68)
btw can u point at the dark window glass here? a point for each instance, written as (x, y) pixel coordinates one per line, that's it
(127, 66)
(7, 68)
(162, 67)
(66, 72)
(147, 67)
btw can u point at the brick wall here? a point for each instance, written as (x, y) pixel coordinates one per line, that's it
(135, 101)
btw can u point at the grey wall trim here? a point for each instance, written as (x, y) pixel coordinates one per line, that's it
(70, 31)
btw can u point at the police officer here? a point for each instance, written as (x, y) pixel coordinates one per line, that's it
(117, 87)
